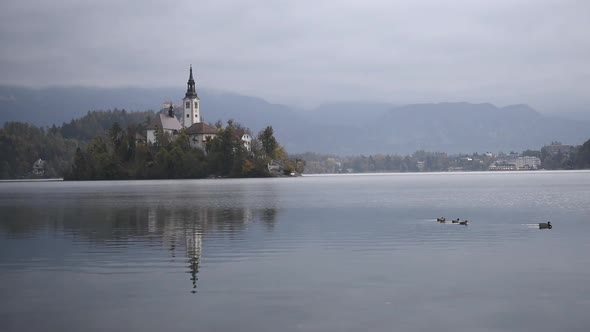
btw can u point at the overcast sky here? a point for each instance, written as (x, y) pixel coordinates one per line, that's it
(302, 52)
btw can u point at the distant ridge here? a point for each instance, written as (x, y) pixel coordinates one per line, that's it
(343, 128)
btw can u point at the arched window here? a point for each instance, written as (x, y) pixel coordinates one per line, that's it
(188, 104)
(196, 104)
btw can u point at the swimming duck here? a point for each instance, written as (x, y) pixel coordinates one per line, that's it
(544, 225)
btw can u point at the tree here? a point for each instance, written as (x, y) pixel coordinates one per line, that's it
(81, 169)
(583, 156)
(4, 170)
(268, 141)
(115, 134)
(162, 139)
(101, 145)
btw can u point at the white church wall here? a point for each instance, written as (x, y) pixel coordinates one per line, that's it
(192, 113)
(194, 141)
(151, 136)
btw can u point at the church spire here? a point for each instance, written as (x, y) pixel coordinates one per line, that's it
(191, 91)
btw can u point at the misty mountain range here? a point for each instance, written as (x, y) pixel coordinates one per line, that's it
(337, 128)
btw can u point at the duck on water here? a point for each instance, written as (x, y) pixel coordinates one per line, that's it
(443, 220)
(545, 225)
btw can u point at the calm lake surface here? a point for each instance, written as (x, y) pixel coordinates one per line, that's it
(316, 253)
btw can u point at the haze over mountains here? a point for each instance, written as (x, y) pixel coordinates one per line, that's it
(337, 128)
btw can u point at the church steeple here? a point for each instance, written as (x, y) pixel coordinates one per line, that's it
(191, 90)
(191, 101)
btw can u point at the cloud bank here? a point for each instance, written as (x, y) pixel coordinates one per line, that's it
(308, 52)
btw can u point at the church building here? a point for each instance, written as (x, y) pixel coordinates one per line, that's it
(198, 131)
(165, 121)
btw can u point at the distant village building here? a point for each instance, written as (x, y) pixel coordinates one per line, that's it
(246, 138)
(275, 167)
(420, 165)
(513, 163)
(198, 131)
(557, 147)
(528, 163)
(39, 167)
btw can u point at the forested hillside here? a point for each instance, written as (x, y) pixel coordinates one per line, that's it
(21, 144)
(102, 146)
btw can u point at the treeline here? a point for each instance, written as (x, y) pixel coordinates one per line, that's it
(97, 123)
(102, 145)
(418, 161)
(21, 144)
(119, 156)
(578, 157)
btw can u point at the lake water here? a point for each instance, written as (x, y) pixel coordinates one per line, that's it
(315, 253)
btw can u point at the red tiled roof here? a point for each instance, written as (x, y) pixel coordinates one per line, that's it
(201, 128)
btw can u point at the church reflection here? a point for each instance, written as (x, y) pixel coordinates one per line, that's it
(194, 244)
(182, 230)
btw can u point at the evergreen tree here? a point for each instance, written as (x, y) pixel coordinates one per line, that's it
(268, 141)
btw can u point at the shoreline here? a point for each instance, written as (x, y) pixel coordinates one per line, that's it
(32, 180)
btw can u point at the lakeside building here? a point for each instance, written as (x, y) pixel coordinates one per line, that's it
(245, 137)
(528, 163)
(191, 121)
(39, 167)
(556, 148)
(512, 163)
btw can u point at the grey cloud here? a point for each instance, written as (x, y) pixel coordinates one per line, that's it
(307, 52)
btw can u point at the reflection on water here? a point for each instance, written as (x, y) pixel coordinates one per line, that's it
(193, 252)
(349, 253)
(112, 223)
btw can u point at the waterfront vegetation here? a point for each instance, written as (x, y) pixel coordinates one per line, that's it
(578, 157)
(98, 147)
(102, 145)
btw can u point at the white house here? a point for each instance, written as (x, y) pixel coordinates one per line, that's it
(528, 162)
(246, 138)
(39, 167)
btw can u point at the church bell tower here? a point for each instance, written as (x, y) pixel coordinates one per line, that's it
(191, 103)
